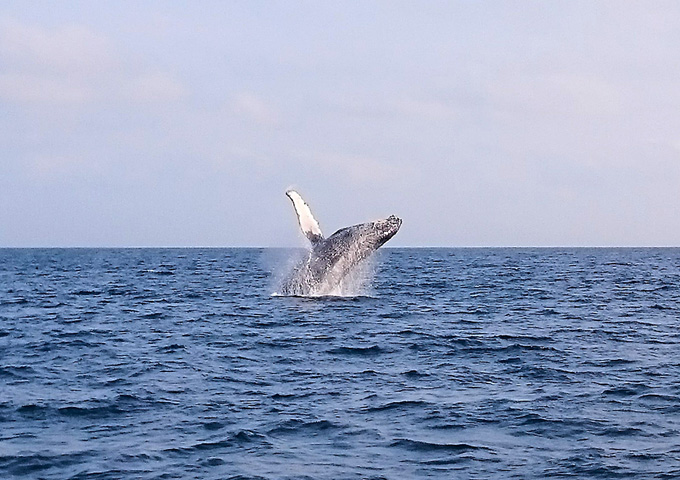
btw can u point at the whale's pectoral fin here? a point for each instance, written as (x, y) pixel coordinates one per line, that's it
(308, 224)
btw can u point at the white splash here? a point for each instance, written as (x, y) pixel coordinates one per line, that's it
(356, 281)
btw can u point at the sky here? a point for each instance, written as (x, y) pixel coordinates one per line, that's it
(530, 123)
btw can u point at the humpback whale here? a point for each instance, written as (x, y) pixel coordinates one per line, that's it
(330, 259)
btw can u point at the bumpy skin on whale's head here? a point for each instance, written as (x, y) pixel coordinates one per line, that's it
(331, 259)
(353, 244)
(386, 229)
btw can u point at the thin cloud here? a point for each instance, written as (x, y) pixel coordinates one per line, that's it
(29, 88)
(255, 108)
(556, 94)
(154, 87)
(74, 65)
(66, 48)
(359, 169)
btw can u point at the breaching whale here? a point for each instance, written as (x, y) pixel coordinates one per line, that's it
(330, 259)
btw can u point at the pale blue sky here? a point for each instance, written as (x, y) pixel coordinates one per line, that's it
(479, 123)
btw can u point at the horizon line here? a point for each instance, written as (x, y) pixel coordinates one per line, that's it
(140, 247)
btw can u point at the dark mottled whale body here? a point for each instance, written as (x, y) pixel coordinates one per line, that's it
(331, 259)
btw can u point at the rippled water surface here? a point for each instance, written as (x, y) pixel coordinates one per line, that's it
(458, 363)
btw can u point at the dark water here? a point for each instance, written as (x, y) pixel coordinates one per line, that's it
(461, 363)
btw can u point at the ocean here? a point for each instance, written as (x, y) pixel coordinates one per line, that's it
(448, 363)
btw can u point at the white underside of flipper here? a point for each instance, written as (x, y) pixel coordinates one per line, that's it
(308, 224)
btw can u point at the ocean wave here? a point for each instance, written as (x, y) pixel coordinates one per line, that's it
(296, 426)
(424, 446)
(398, 405)
(361, 351)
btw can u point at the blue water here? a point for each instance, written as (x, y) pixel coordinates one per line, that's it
(456, 363)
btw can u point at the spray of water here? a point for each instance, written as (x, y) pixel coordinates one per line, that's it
(342, 280)
(281, 262)
(357, 282)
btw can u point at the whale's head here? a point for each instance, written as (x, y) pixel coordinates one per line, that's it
(385, 229)
(358, 241)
